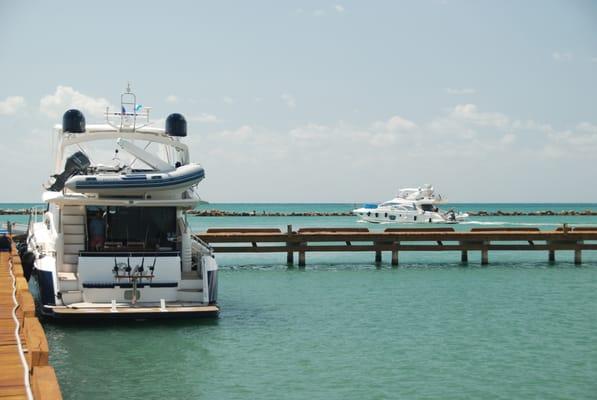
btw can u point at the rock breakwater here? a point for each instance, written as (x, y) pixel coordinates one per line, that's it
(223, 213)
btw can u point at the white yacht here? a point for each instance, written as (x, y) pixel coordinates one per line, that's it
(411, 205)
(114, 240)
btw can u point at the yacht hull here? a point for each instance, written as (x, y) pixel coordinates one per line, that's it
(188, 296)
(388, 216)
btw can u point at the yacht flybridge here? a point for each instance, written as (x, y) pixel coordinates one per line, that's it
(114, 240)
(411, 205)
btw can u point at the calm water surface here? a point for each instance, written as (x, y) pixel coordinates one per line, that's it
(354, 332)
(342, 329)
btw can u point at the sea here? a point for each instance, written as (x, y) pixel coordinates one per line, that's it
(343, 328)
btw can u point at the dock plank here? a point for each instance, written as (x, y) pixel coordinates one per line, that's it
(12, 377)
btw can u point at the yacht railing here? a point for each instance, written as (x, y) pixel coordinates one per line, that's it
(35, 214)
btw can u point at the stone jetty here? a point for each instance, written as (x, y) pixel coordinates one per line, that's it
(222, 213)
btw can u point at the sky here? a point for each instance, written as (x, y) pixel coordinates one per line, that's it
(315, 101)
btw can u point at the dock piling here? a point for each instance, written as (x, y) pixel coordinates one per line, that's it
(485, 254)
(394, 258)
(377, 257)
(552, 256)
(301, 255)
(578, 254)
(290, 254)
(464, 256)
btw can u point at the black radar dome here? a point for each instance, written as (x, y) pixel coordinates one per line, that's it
(176, 125)
(73, 121)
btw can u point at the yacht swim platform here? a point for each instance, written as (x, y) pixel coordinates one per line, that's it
(120, 310)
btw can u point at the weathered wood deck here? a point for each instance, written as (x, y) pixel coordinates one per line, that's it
(43, 382)
(395, 240)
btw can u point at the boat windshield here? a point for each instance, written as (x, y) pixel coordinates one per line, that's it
(428, 207)
(395, 204)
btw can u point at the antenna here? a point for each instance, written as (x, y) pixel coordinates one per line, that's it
(129, 111)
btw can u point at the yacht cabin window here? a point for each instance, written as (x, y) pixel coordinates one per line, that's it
(131, 228)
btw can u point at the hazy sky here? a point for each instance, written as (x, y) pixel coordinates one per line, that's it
(345, 101)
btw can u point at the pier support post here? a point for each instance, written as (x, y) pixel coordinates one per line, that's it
(290, 254)
(485, 254)
(577, 254)
(464, 256)
(394, 258)
(377, 257)
(552, 256)
(301, 261)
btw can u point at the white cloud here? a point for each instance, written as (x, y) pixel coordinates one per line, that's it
(241, 133)
(11, 105)
(228, 100)
(205, 118)
(462, 91)
(318, 13)
(580, 140)
(172, 99)
(470, 113)
(384, 133)
(398, 123)
(561, 56)
(339, 8)
(530, 125)
(587, 127)
(508, 138)
(65, 97)
(289, 100)
(310, 134)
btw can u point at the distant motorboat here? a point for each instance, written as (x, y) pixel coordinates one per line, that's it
(411, 205)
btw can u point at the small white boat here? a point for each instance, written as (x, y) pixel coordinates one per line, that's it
(411, 205)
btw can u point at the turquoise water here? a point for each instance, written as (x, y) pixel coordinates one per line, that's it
(344, 329)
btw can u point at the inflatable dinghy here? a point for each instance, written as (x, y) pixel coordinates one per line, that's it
(136, 184)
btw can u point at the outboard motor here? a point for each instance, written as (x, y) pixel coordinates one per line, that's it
(73, 121)
(75, 164)
(176, 125)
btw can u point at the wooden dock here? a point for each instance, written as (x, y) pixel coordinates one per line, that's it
(396, 240)
(42, 378)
